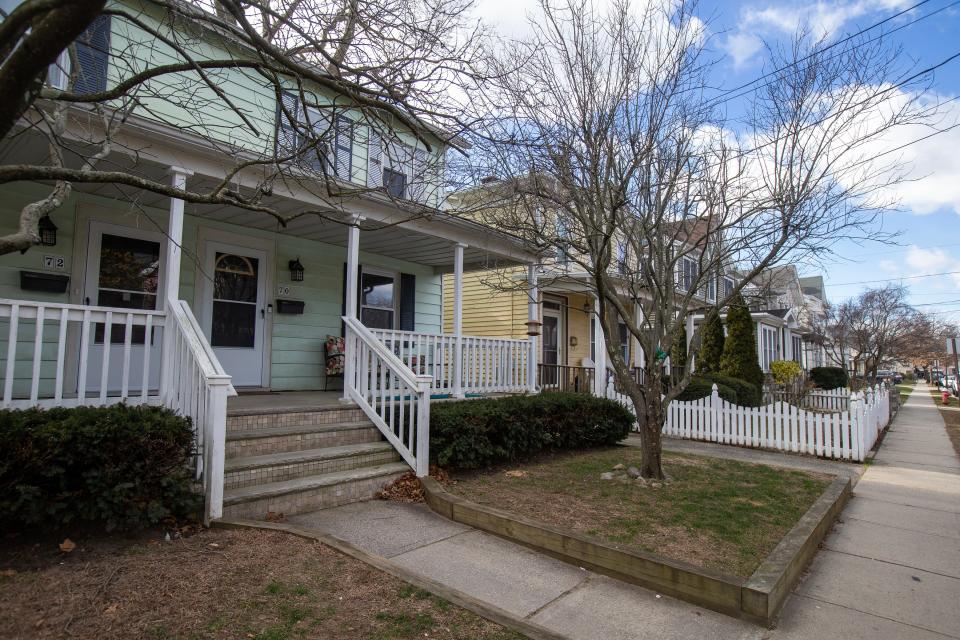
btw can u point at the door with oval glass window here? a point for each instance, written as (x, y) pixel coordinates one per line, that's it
(235, 310)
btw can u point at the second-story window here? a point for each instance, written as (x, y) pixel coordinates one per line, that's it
(93, 57)
(563, 236)
(327, 148)
(623, 267)
(727, 287)
(687, 272)
(711, 289)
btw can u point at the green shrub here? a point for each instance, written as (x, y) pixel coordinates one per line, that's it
(703, 387)
(122, 467)
(740, 349)
(678, 351)
(711, 344)
(748, 394)
(471, 434)
(785, 371)
(829, 377)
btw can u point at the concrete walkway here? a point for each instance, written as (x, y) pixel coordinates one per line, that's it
(891, 569)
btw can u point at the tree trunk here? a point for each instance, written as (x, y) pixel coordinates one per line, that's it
(651, 437)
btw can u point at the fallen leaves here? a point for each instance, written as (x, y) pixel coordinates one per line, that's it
(67, 545)
(517, 473)
(407, 487)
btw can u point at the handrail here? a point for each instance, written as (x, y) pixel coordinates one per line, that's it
(211, 366)
(396, 364)
(194, 384)
(395, 399)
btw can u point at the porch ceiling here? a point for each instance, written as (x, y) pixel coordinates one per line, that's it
(393, 241)
(391, 236)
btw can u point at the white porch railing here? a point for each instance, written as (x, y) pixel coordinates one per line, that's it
(196, 386)
(488, 365)
(820, 399)
(64, 355)
(115, 354)
(392, 395)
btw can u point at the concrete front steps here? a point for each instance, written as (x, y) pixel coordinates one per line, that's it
(301, 460)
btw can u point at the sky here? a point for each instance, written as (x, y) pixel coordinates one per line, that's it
(928, 220)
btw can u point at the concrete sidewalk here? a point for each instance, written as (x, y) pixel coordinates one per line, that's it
(891, 569)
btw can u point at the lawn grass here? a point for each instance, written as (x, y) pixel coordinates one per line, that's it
(716, 513)
(218, 584)
(905, 388)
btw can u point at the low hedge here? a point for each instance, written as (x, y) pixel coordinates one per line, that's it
(701, 387)
(829, 377)
(120, 467)
(471, 434)
(748, 394)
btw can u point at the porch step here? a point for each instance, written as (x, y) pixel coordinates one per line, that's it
(288, 465)
(262, 441)
(309, 493)
(255, 419)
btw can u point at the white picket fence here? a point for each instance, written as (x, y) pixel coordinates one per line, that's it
(820, 399)
(848, 434)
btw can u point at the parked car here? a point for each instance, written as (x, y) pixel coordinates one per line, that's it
(897, 377)
(885, 375)
(950, 383)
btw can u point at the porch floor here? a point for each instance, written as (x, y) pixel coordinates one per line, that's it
(282, 401)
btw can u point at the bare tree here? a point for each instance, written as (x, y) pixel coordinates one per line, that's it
(612, 153)
(366, 68)
(879, 327)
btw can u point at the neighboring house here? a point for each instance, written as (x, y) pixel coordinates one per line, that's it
(789, 313)
(145, 299)
(496, 302)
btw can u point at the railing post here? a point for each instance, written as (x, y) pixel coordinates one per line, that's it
(600, 361)
(424, 384)
(458, 319)
(533, 312)
(215, 445)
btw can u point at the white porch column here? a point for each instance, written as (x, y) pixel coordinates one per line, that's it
(690, 329)
(171, 275)
(352, 304)
(175, 234)
(533, 312)
(600, 361)
(458, 319)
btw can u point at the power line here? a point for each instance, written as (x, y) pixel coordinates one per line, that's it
(835, 44)
(926, 275)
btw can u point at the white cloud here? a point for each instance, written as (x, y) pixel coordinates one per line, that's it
(823, 19)
(920, 261)
(742, 47)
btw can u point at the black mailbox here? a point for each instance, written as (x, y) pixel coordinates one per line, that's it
(290, 306)
(47, 282)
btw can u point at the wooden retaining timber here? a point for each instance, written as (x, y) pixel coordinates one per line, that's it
(758, 598)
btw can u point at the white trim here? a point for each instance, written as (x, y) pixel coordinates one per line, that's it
(202, 284)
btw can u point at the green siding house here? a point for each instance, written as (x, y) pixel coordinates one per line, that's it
(145, 298)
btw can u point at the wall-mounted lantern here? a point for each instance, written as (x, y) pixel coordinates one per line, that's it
(533, 327)
(47, 231)
(573, 341)
(296, 270)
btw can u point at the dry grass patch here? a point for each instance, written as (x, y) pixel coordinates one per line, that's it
(951, 418)
(218, 584)
(721, 514)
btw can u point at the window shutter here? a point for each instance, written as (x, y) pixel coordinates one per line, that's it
(418, 177)
(343, 143)
(93, 56)
(374, 159)
(408, 300)
(286, 129)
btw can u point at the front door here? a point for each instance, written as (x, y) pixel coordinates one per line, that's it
(235, 310)
(123, 270)
(552, 356)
